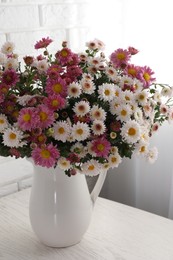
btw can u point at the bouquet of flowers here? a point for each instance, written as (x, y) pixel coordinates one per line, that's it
(82, 112)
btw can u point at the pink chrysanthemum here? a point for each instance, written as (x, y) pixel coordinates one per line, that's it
(46, 116)
(54, 71)
(10, 77)
(43, 43)
(101, 147)
(45, 156)
(132, 70)
(55, 102)
(64, 56)
(145, 76)
(28, 118)
(56, 87)
(120, 58)
(132, 50)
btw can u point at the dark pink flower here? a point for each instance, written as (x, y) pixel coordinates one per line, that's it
(54, 71)
(101, 146)
(10, 77)
(43, 43)
(64, 56)
(45, 156)
(132, 50)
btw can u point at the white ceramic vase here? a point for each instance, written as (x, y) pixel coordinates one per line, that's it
(61, 207)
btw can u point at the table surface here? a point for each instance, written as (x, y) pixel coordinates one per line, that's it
(116, 232)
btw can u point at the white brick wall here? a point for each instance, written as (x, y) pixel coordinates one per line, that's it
(25, 22)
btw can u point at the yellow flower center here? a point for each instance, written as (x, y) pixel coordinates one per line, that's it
(2, 121)
(91, 167)
(113, 159)
(107, 92)
(79, 131)
(57, 88)
(141, 97)
(45, 154)
(100, 147)
(132, 72)
(61, 130)
(55, 103)
(12, 136)
(120, 56)
(43, 116)
(131, 131)
(142, 149)
(123, 112)
(146, 76)
(64, 53)
(27, 117)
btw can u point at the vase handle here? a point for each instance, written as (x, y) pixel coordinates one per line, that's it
(98, 185)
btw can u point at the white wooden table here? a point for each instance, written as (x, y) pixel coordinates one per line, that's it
(116, 232)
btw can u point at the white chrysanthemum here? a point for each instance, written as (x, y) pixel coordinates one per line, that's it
(74, 90)
(152, 155)
(3, 123)
(114, 149)
(145, 133)
(90, 150)
(114, 160)
(81, 108)
(106, 92)
(91, 168)
(23, 100)
(141, 148)
(157, 96)
(137, 86)
(95, 61)
(117, 91)
(128, 96)
(114, 104)
(164, 109)
(155, 127)
(8, 48)
(83, 56)
(130, 131)
(170, 115)
(147, 109)
(88, 86)
(142, 97)
(123, 112)
(111, 73)
(98, 127)
(64, 164)
(167, 91)
(80, 131)
(126, 81)
(98, 113)
(138, 115)
(11, 63)
(42, 65)
(61, 131)
(13, 138)
(3, 59)
(87, 76)
(79, 149)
